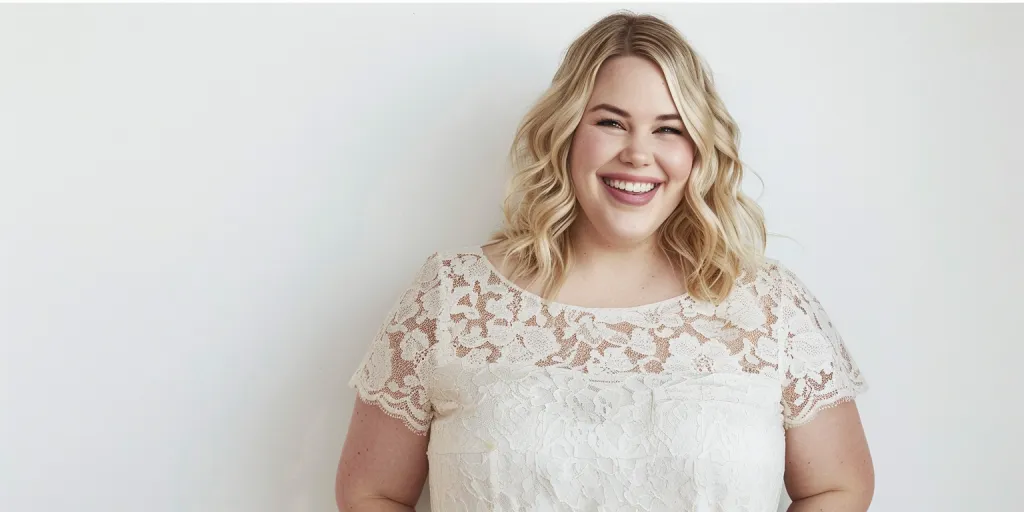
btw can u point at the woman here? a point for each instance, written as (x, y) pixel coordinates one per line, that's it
(622, 343)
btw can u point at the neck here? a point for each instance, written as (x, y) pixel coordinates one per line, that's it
(595, 254)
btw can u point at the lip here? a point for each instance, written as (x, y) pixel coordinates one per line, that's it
(630, 177)
(630, 198)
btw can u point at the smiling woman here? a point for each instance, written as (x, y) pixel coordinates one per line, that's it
(621, 343)
(630, 149)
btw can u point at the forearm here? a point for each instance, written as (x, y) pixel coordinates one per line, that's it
(833, 501)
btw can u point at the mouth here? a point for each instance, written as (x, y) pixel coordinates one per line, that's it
(633, 193)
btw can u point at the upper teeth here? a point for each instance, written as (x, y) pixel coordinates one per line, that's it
(630, 186)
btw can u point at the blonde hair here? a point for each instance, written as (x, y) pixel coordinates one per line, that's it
(714, 234)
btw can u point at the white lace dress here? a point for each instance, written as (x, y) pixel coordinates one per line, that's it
(675, 406)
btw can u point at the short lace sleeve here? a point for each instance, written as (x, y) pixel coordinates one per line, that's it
(396, 369)
(818, 370)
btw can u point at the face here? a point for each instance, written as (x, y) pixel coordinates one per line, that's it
(630, 156)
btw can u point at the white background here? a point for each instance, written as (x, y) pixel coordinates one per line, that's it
(205, 213)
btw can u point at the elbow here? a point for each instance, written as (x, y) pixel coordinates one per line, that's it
(849, 495)
(863, 487)
(339, 493)
(345, 495)
(858, 499)
(859, 492)
(866, 490)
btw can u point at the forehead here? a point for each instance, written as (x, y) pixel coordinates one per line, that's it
(634, 84)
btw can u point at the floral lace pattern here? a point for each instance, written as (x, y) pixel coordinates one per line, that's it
(677, 405)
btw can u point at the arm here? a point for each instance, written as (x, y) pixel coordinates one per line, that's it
(383, 464)
(384, 460)
(828, 464)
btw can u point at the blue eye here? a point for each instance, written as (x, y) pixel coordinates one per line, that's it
(609, 122)
(669, 129)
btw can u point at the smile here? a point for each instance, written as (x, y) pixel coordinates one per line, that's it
(633, 193)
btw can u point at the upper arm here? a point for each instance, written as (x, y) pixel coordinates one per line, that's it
(826, 448)
(382, 458)
(384, 455)
(829, 453)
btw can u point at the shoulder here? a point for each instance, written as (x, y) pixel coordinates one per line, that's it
(771, 277)
(777, 289)
(465, 252)
(788, 285)
(460, 256)
(464, 264)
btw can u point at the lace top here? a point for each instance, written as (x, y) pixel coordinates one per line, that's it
(676, 405)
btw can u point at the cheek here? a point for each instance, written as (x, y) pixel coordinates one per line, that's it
(677, 161)
(590, 150)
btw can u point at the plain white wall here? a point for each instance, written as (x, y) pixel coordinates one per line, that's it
(205, 212)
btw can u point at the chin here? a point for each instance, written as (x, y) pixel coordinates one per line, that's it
(622, 232)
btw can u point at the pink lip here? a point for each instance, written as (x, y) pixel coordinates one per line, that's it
(631, 198)
(630, 177)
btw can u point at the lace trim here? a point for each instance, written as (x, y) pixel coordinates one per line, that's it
(820, 408)
(420, 429)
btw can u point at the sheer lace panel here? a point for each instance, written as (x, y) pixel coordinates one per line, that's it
(483, 319)
(399, 362)
(493, 321)
(819, 371)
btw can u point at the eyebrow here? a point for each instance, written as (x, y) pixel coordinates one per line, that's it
(618, 111)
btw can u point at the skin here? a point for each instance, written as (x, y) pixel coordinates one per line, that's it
(383, 464)
(630, 126)
(828, 464)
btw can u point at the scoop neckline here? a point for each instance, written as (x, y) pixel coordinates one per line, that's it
(479, 251)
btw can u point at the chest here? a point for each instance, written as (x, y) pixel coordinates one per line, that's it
(566, 413)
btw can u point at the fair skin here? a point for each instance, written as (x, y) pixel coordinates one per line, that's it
(630, 130)
(383, 464)
(828, 464)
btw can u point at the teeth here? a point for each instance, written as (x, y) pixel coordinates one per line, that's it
(630, 186)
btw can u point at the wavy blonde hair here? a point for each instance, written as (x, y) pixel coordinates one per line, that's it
(714, 234)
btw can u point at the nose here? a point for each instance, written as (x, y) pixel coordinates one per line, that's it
(635, 154)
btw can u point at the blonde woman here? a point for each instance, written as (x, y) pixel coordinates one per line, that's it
(622, 343)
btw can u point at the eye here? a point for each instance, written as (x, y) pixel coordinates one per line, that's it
(669, 129)
(609, 122)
